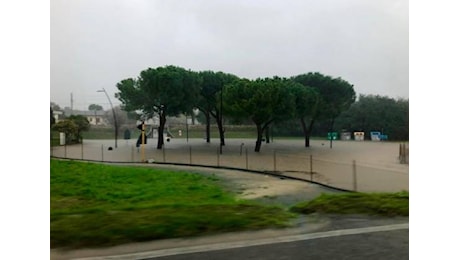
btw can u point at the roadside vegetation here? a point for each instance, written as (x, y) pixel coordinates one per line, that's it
(96, 205)
(383, 204)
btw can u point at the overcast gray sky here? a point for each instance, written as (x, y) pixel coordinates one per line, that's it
(97, 43)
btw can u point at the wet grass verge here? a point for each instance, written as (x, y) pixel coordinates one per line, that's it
(94, 205)
(380, 204)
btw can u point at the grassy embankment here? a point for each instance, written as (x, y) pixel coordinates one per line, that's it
(383, 204)
(98, 205)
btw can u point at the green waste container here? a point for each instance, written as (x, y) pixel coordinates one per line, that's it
(333, 135)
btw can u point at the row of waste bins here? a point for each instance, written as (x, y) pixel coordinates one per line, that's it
(357, 136)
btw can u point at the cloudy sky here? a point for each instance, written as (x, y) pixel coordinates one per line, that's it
(97, 43)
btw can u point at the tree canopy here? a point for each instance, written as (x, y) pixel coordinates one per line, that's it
(209, 101)
(52, 119)
(73, 126)
(309, 98)
(377, 113)
(166, 91)
(94, 107)
(335, 96)
(264, 101)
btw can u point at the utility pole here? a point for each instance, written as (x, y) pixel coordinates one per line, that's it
(71, 103)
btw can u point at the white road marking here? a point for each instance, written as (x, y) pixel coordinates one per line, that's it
(248, 243)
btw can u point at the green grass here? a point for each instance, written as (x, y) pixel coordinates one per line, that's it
(96, 205)
(383, 204)
(102, 133)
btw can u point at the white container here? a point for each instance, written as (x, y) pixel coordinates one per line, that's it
(62, 138)
(359, 136)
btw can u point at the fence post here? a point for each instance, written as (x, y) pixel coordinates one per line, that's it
(247, 168)
(311, 167)
(404, 152)
(355, 180)
(132, 153)
(218, 158)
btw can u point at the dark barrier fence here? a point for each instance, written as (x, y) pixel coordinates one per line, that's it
(353, 175)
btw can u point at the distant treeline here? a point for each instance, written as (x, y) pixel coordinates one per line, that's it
(369, 113)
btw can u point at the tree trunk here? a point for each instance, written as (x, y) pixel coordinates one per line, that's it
(307, 131)
(161, 130)
(221, 128)
(259, 138)
(208, 127)
(267, 135)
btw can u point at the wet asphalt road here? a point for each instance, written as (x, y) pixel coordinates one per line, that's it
(385, 245)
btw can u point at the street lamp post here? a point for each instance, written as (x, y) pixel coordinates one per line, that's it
(114, 116)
